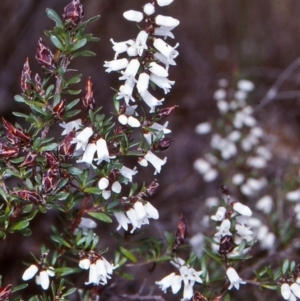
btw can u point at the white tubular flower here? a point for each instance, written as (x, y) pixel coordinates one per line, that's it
(238, 179)
(224, 228)
(82, 138)
(149, 9)
(69, 126)
(203, 128)
(220, 214)
(141, 42)
(234, 278)
(151, 101)
(103, 183)
(158, 70)
(85, 224)
(295, 288)
(162, 82)
(128, 173)
(242, 209)
(164, 31)
(125, 91)
(131, 70)
(134, 219)
(131, 121)
(88, 155)
(132, 51)
(265, 204)
(93, 275)
(293, 196)
(122, 219)
(285, 291)
(166, 282)
(166, 21)
(104, 270)
(115, 65)
(84, 263)
(133, 15)
(150, 136)
(164, 2)
(120, 47)
(30, 272)
(102, 151)
(166, 50)
(44, 279)
(245, 85)
(155, 161)
(151, 211)
(143, 82)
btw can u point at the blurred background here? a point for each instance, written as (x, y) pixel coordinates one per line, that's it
(231, 39)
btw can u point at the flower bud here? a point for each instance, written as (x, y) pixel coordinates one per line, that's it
(51, 179)
(44, 56)
(51, 159)
(226, 244)
(59, 109)
(30, 160)
(165, 112)
(151, 189)
(30, 196)
(66, 148)
(181, 233)
(26, 75)
(149, 9)
(9, 152)
(14, 135)
(38, 85)
(114, 175)
(88, 100)
(73, 14)
(166, 21)
(133, 15)
(163, 144)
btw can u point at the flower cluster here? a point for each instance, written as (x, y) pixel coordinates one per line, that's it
(186, 274)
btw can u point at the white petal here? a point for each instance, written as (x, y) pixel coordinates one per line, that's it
(285, 291)
(116, 65)
(30, 272)
(93, 275)
(106, 194)
(84, 263)
(143, 82)
(242, 209)
(122, 220)
(128, 173)
(149, 9)
(123, 119)
(44, 279)
(158, 70)
(295, 287)
(166, 282)
(151, 211)
(176, 284)
(133, 15)
(133, 122)
(140, 210)
(166, 21)
(155, 161)
(103, 183)
(116, 187)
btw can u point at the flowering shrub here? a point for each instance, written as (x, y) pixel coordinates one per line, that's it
(84, 175)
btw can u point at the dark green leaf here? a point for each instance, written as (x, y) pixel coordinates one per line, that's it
(74, 171)
(64, 271)
(93, 190)
(128, 255)
(70, 291)
(19, 98)
(101, 216)
(74, 80)
(60, 240)
(72, 104)
(18, 114)
(78, 45)
(19, 287)
(85, 53)
(19, 225)
(49, 147)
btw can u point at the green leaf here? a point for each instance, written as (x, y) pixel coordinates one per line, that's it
(78, 45)
(19, 225)
(128, 255)
(26, 232)
(64, 271)
(85, 53)
(49, 147)
(19, 98)
(60, 240)
(70, 291)
(19, 287)
(74, 171)
(72, 92)
(18, 114)
(74, 80)
(93, 190)
(72, 104)
(57, 43)
(54, 16)
(101, 216)
(285, 266)
(3, 194)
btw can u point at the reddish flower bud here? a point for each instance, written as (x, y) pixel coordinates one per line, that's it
(162, 113)
(38, 85)
(14, 135)
(9, 152)
(73, 14)
(88, 100)
(151, 189)
(114, 175)
(44, 56)
(25, 77)
(181, 233)
(50, 179)
(59, 109)
(226, 245)
(5, 292)
(66, 148)
(163, 144)
(51, 159)
(30, 196)
(30, 160)
(198, 297)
